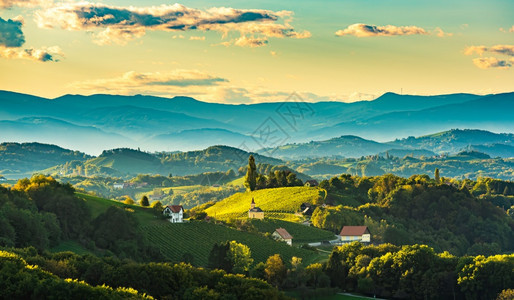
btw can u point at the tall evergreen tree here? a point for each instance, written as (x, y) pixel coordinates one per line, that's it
(436, 176)
(251, 174)
(144, 201)
(335, 269)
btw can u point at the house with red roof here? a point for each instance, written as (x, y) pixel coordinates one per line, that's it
(355, 233)
(281, 234)
(175, 213)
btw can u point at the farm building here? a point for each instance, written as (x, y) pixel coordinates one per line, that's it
(174, 212)
(255, 212)
(311, 183)
(281, 234)
(118, 186)
(355, 233)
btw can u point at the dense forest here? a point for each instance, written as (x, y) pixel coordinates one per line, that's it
(463, 165)
(463, 217)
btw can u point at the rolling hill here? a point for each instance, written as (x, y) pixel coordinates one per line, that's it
(198, 238)
(128, 162)
(18, 160)
(345, 146)
(277, 203)
(453, 141)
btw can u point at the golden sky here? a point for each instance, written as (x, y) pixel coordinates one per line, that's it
(257, 51)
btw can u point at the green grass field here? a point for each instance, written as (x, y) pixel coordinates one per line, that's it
(237, 182)
(197, 238)
(286, 200)
(301, 233)
(98, 205)
(72, 246)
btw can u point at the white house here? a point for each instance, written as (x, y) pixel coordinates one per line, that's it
(118, 186)
(282, 235)
(174, 212)
(355, 233)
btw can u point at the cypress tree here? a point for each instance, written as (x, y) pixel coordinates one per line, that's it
(436, 176)
(251, 174)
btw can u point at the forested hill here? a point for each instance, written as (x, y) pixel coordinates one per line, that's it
(18, 160)
(124, 162)
(446, 142)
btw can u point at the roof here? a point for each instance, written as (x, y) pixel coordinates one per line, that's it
(255, 209)
(283, 233)
(312, 182)
(175, 208)
(354, 230)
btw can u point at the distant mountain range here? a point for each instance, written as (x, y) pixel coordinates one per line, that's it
(19, 160)
(452, 142)
(94, 123)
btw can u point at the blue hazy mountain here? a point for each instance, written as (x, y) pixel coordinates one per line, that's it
(492, 113)
(153, 122)
(53, 131)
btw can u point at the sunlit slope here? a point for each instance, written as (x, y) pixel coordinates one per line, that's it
(276, 202)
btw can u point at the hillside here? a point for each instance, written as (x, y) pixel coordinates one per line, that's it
(127, 162)
(453, 141)
(197, 238)
(345, 146)
(278, 203)
(18, 160)
(494, 150)
(195, 139)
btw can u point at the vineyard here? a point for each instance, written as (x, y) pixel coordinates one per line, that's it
(197, 239)
(283, 202)
(301, 233)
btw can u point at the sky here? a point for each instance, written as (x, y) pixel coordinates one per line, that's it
(257, 51)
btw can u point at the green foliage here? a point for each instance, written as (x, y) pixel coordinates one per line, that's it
(26, 158)
(417, 272)
(251, 174)
(486, 277)
(53, 197)
(232, 257)
(418, 210)
(240, 256)
(20, 280)
(144, 201)
(275, 270)
(36, 276)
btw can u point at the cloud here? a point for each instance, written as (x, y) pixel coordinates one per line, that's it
(497, 49)
(44, 54)
(12, 38)
(11, 34)
(507, 30)
(121, 24)
(197, 38)
(245, 41)
(364, 30)
(492, 62)
(440, 33)
(23, 3)
(134, 81)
